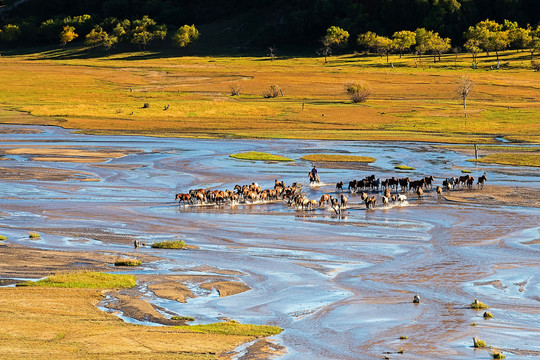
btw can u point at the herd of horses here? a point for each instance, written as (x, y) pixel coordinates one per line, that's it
(393, 190)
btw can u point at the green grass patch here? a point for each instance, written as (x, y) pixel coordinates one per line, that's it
(516, 159)
(478, 305)
(176, 244)
(343, 158)
(3, 238)
(127, 262)
(479, 343)
(498, 355)
(183, 318)
(403, 337)
(234, 328)
(33, 235)
(259, 156)
(403, 167)
(488, 315)
(465, 171)
(85, 279)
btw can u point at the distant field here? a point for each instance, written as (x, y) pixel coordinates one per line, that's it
(413, 101)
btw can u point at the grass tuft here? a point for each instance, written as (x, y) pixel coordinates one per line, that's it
(498, 355)
(176, 244)
(479, 343)
(487, 314)
(404, 167)
(337, 158)
(465, 171)
(33, 235)
(127, 262)
(85, 279)
(234, 328)
(183, 318)
(403, 337)
(3, 238)
(259, 156)
(478, 305)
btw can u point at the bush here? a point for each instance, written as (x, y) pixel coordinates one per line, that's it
(146, 106)
(487, 314)
(235, 89)
(358, 91)
(498, 355)
(479, 343)
(403, 167)
(478, 305)
(127, 262)
(176, 244)
(535, 65)
(183, 318)
(403, 337)
(33, 235)
(2, 238)
(272, 92)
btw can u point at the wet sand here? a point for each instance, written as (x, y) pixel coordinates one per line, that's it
(340, 286)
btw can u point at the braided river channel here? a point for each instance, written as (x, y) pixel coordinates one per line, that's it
(341, 286)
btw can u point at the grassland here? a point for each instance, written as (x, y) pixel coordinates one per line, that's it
(259, 156)
(85, 280)
(339, 158)
(515, 159)
(413, 101)
(176, 244)
(127, 262)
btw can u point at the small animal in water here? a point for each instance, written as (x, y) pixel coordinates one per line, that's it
(439, 191)
(416, 299)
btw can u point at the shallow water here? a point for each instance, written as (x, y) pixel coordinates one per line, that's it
(340, 286)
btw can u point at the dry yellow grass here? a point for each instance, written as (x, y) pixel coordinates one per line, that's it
(49, 323)
(106, 95)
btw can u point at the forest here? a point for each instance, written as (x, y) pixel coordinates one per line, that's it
(255, 23)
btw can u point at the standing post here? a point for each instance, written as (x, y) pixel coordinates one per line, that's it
(475, 151)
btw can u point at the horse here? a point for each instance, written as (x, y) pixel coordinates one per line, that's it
(183, 198)
(387, 193)
(339, 186)
(419, 192)
(353, 185)
(470, 182)
(439, 191)
(313, 179)
(370, 202)
(401, 198)
(325, 199)
(343, 201)
(385, 200)
(428, 180)
(481, 180)
(335, 205)
(363, 196)
(312, 204)
(278, 183)
(404, 183)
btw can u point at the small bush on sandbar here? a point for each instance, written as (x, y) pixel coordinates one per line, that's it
(85, 279)
(487, 314)
(3, 238)
(403, 337)
(498, 355)
(176, 244)
(33, 235)
(127, 262)
(479, 343)
(478, 305)
(183, 318)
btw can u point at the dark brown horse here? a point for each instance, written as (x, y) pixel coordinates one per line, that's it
(184, 198)
(481, 180)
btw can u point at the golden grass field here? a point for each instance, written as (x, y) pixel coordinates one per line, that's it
(411, 102)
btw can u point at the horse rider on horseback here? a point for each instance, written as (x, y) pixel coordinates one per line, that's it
(314, 173)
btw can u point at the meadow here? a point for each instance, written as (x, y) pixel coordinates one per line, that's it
(412, 99)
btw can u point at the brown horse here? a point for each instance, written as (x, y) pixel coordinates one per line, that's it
(419, 192)
(370, 202)
(339, 186)
(363, 196)
(439, 191)
(481, 180)
(183, 198)
(325, 199)
(343, 201)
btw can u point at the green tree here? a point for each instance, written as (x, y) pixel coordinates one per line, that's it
(335, 37)
(67, 35)
(473, 46)
(403, 40)
(384, 46)
(439, 45)
(491, 36)
(10, 33)
(146, 30)
(185, 35)
(534, 44)
(99, 37)
(519, 37)
(367, 40)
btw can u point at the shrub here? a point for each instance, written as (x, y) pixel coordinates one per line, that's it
(127, 262)
(2, 238)
(479, 343)
(404, 167)
(235, 89)
(403, 337)
(498, 355)
(535, 65)
(183, 318)
(33, 235)
(358, 91)
(146, 106)
(176, 244)
(478, 305)
(272, 92)
(487, 314)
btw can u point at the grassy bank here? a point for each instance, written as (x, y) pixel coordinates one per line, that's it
(338, 158)
(414, 101)
(86, 280)
(259, 156)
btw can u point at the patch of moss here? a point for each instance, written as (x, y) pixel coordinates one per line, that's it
(234, 328)
(33, 235)
(85, 279)
(487, 314)
(176, 244)
(498, 355)
(478, 305)
(479, 343)
(465, 171)
(183, 318)
(259, 156)
(403, 337)
(403, 167)
(338, 158)
(3, 238)
(127, 262)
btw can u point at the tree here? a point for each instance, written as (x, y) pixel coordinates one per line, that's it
(534, 44)
(10, 33)
(335, 37)
(438, 45)
(358, 91)
(185, 35)
(403, 40)
(473, 46)
(490, 35)
(272, 52)
(99, 37)
(368, 40)
(463, 89)
(146, 30)
(384, 46)
(67, 35)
